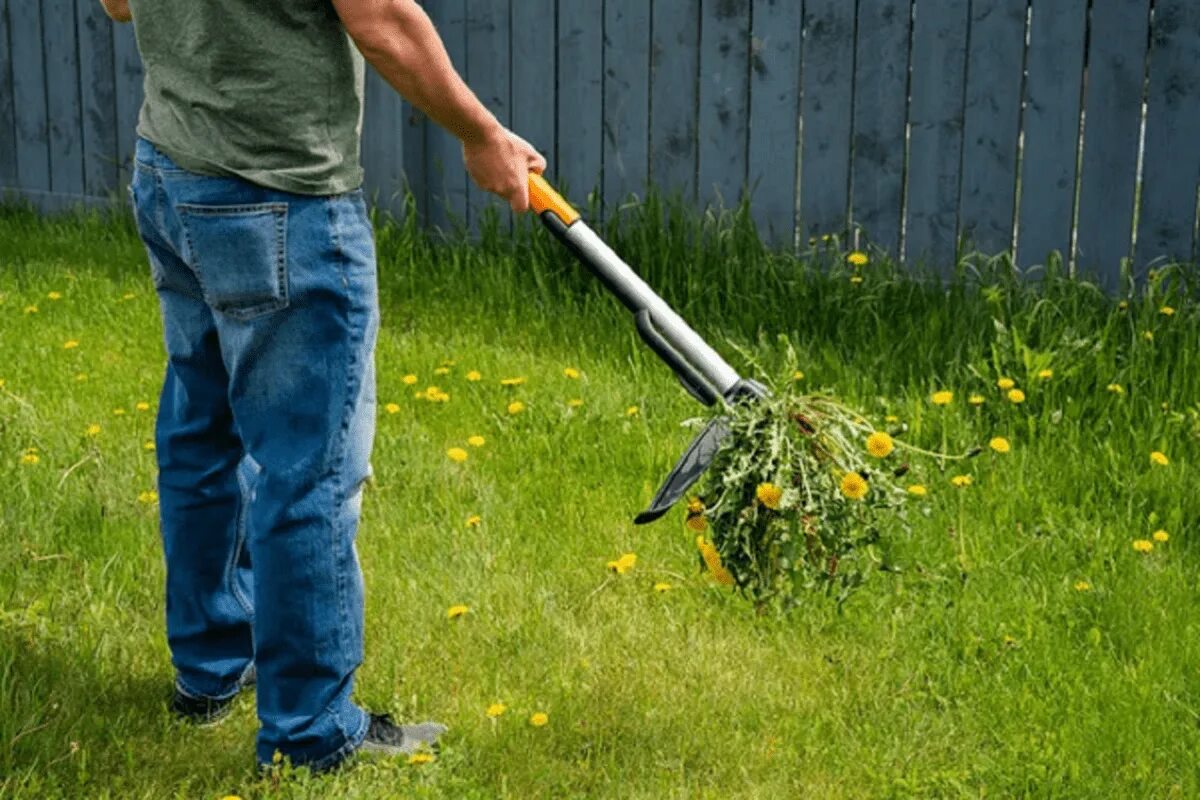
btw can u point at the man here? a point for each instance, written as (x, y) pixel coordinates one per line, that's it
(246, 194)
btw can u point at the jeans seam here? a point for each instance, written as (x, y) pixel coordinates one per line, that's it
(240, 542)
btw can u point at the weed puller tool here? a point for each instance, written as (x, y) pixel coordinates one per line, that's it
(704, 374)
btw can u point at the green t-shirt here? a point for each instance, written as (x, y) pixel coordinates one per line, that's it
(266, 90)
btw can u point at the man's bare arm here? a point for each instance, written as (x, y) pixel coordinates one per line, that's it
(117, 9)
(398, 39)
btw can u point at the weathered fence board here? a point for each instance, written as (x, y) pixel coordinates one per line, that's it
(1172, 166)
(1053, 91)
(880, 119)
(626, 99)
(8, 134)
(922, 123)
(580, 151)
(775, 51)
(674, 73)
(97, 74)
(1115, 73)
(992, 123)
(724, 101)
(29, 96)
(935, 160)
(827, 80)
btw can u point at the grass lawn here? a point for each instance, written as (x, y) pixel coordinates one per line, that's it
(1022, 647)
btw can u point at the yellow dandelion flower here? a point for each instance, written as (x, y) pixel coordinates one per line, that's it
(918, 490)
(574, 402)
(409, 380)
(662, 586)
(496, 710)
(142, 406)
(473, 376)
(476, 440)
(442, 371)
(148, 446)
(54, 295)
(93, 430)
(712, 560)
(1082, 586)
(70, 344)
(1016, 396)
(1004, 384)
(81, 376)
(880, 444)
(1046, 374)
(516, 407)
(1000, 444)
(571, 373)
(128, 296)
(942, 398)
(538, 719)
(421, 758)
(511, 381)
(695, 505)
(30, 458)
(474, 521)
(975, 399)
(769, 495)
(854, 486)
(1159, 458)
(454, 612)
(962, 481)
(632, 411)
(856, 279)
(148, 498)
(392, 408)
(1143, 545)
(697, 523)
(623, 564)
(797, 375)
(118, 412)
(457, 454)
(891, 418)
(1116, 388)
(1166, 311)
(858, 259)
(1161, 536)
(231, 797)
(31, 309)
(1148, 336)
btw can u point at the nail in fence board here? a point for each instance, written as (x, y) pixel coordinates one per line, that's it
(828, 86)
(880, 117)
(936, 117)
(29, 95)
(97, 74)
(1166, 229)
(580, 97)
(674, 76)
(775, 50)
(488, 74)
(724, 100)
(444, 171)
(1113, 103)
(992, 123)
(626, 100)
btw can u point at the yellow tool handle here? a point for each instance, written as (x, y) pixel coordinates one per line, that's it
(543, 198)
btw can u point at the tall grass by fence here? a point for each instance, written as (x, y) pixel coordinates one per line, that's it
(924, 125)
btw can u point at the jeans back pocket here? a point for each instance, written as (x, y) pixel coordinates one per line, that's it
(239, 255)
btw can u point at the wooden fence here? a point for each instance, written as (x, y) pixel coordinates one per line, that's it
(924, 125)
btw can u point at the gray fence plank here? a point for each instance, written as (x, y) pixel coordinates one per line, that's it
(1172, 164)
(99, 95)
(445, 174)
(674, 87)
(8, 132)
(383, 144)
(63, 111)
(488, 73)
(992, 123)
(129, 75)
(1052, 102)
(533, 76)
(724, 100)
(826, 111)
(936, 117)
(626, 99)
(774, 117)
(580, 147)
(29, 96)
(1116, 69)
(880, 119)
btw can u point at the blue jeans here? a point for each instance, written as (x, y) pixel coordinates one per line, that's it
(265, 426)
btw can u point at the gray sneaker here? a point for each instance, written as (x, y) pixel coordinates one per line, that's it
(386, 737)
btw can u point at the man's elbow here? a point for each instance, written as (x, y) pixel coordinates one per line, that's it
(118, 10)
